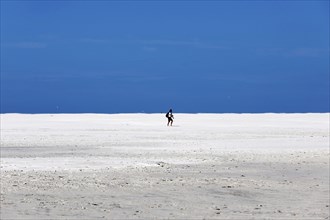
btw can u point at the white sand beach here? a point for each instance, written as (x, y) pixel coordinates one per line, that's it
(132, 166)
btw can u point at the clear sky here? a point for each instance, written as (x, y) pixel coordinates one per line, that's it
(149, 56)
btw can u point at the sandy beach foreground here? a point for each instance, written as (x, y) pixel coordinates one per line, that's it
(132, 166)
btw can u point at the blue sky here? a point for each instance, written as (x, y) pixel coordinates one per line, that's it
(149, 56)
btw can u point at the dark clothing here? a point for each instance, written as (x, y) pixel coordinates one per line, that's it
(169, 117)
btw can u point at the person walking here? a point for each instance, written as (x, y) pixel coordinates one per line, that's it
(170, 117)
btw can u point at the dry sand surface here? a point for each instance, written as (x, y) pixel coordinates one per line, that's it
(132, 166)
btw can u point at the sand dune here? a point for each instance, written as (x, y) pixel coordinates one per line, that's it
(132, 166)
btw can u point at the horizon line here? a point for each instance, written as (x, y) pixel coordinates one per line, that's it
(116, 113)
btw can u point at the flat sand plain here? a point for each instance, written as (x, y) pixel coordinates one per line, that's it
(132, 166)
